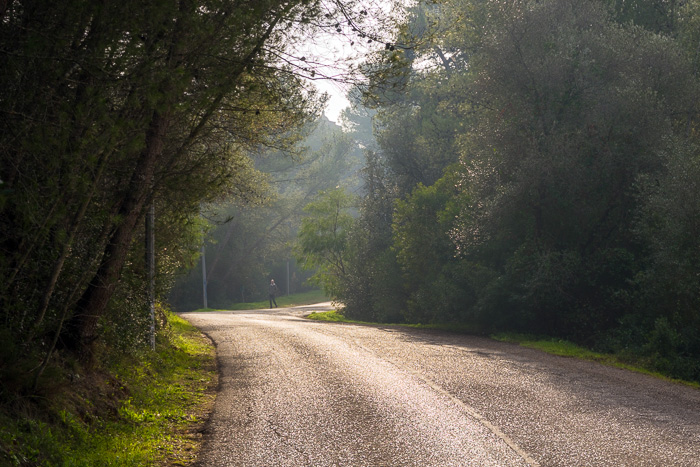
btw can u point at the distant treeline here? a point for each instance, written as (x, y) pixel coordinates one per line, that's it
(250, 243)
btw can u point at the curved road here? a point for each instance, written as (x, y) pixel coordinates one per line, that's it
(295, 392)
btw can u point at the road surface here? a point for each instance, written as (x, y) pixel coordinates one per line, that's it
(295, 392)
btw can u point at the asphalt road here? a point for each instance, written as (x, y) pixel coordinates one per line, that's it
(295, 392)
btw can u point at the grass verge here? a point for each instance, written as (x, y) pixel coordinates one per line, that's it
(338, 317)
(333, 316)
(148, 410)
(565, 348)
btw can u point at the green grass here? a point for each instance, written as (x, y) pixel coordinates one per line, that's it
(143, 412)
(338, 317)
(554, 346)
(565, 348)
(333, 316)
(305, 298)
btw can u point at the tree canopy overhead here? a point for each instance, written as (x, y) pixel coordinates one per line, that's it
(110, 107)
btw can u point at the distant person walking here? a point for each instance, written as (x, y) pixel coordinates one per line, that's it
(273, 293)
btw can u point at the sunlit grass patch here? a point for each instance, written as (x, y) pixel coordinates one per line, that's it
(339, 317)
(334, 315)
(550, 345)
(168, 395)
(566, 348)
(147, 410)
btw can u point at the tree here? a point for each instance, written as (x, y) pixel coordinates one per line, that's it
(111, 107)
(570, 116)
(416, 93)
(421, 105)
(322, 240)
(666, 306)
(435, 279)
(372, 286)
(556, 111)
(659, 16)
(250, 241)
(188, 84)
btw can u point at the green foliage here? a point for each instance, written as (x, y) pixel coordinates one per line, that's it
(434, 279)
(124, 111)
(372, 287)
(671, 228)
(250, 240)
(138, 413)
(570, 118)
(656, 15)
(573, 209)
(323, 239)
(667, 316)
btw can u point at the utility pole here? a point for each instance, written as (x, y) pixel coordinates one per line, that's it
(289, 224)
(151, 274)
(204, 277)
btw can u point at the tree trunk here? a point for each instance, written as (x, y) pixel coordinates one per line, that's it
(81, 330)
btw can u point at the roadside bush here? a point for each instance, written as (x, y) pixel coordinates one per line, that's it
(372, 289)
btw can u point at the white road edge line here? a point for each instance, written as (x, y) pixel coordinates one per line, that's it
(469, 410)
(474, 414)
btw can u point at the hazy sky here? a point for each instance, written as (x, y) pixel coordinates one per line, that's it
(337, 101)
(330, 53)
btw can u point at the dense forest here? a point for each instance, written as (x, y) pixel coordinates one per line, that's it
(527, 166)
(130, 131)
(536, 171)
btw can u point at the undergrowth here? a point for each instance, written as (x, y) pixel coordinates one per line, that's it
(145, 409)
